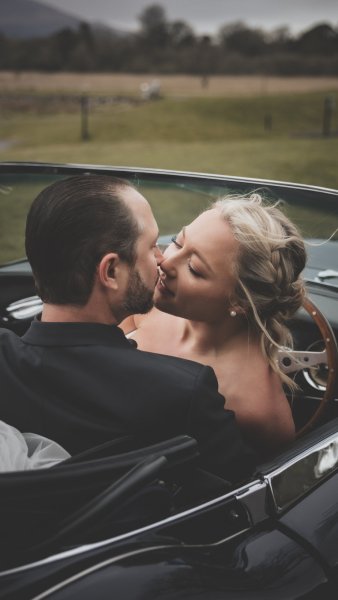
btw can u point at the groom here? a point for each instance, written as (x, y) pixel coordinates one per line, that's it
(92, 244)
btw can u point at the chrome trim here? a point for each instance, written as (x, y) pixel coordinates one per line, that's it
(255, 502)
(287, 484)
(125, 536)
(22, 167)
(320, 285)
(25, 308)
(94, 568)
(311, 382)
(326, 274)
(114, 559)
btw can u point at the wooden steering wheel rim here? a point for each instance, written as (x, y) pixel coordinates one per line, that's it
(332, 362)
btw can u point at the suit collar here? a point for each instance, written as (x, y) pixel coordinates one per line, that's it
(74, 334)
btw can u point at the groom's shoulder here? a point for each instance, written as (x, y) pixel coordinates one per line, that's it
(172, 364)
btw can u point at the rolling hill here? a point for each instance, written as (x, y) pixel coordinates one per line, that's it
(30, 18)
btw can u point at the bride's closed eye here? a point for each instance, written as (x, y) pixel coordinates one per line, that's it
(175, 242)
(191, 269)
(193, 272)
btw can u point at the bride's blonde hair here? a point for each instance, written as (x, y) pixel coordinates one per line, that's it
(271, 258)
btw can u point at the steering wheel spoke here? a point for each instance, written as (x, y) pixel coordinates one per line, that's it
(291, 361)
(296, 360)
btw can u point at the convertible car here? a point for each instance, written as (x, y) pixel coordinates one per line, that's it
(120, 521)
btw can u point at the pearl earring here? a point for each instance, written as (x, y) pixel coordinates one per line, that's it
(233, 313)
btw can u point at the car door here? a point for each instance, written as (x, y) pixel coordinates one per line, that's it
(275, 537)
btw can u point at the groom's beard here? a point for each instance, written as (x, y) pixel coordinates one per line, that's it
(139, 298)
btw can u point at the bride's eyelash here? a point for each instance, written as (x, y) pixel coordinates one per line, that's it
(195, 273)
(192, 271)
(174, 241)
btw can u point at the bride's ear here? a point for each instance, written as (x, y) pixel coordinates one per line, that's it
(234, 308)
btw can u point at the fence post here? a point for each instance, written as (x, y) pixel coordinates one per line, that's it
(84, 101)
(329, 105)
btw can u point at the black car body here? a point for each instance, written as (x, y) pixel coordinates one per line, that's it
(77, 530)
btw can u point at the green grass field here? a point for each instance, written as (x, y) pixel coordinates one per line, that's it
(216, 135)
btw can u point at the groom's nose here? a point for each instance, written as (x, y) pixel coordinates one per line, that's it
(159, 256)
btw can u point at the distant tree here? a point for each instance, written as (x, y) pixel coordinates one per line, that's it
(280, 35)
(321, 39)
(62, 45)
(114, 53)
(5, 51)
(237, 37)
(86, 36)
(152, 17)
(280, 40)
(154, 25)
(165, 46)
(81, 59)
(180, 34)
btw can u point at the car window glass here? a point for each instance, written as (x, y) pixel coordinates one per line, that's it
(175, 200)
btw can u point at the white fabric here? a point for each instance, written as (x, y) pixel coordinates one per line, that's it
(22, 451)
(130, 333)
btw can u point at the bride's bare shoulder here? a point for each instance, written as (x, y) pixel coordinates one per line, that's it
(128, 324)
(147, 322)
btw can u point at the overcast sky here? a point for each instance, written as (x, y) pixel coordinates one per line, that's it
(206, 16)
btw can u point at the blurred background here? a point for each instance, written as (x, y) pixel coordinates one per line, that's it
(246, 88)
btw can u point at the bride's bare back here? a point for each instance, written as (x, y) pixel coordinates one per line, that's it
(250, 388)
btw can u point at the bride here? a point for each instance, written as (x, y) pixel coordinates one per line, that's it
(228, 283)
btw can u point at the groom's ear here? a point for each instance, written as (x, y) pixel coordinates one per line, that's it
(110, 270)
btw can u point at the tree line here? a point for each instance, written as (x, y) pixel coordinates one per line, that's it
(166, 47)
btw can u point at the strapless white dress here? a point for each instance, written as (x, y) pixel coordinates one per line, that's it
(23, 451)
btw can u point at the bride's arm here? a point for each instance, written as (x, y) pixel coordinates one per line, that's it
(263, 413)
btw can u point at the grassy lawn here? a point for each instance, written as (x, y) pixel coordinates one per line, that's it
(217, 135)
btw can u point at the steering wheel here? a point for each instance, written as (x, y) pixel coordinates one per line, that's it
(294, 360)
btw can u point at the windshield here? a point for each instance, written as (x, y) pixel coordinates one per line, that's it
(176, 199)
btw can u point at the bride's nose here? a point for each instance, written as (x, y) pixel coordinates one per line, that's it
(167, 266)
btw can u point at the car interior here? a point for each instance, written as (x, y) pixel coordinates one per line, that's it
(121, 486)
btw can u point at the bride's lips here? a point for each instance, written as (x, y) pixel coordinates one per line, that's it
(162, 288)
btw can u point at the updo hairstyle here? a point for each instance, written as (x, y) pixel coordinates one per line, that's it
(271, 258)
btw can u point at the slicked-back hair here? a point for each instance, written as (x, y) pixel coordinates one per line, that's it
(70, 226)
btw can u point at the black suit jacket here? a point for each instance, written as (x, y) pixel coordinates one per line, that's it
(82, 384)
